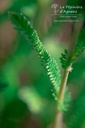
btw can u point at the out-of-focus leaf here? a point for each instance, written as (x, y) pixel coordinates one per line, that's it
(13, 114)
(77, 117)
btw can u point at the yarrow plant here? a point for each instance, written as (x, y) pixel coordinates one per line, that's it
(59, 81)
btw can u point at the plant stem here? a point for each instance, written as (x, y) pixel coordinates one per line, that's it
(58, 120)
(63, 84)
(59, 115)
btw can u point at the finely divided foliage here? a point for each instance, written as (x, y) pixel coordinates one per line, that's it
(79, 48)
(63, 58)
(24, 26)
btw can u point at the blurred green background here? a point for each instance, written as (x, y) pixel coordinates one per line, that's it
(26, 100)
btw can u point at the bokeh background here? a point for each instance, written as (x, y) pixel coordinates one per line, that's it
(26, 99)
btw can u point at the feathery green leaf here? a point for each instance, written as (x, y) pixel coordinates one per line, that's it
(63, 58)
(24, 26)
(80, 47)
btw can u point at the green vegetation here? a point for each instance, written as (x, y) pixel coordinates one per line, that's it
(34, 89)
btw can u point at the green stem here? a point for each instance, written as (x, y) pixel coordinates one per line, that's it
(63, 84)
(58, 120)
(59, 114)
